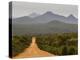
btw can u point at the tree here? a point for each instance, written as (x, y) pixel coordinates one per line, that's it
(72, 51)
(64, 50)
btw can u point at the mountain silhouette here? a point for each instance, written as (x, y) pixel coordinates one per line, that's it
(45, 18)
(71, 19)
(45, 23)
(32, 15)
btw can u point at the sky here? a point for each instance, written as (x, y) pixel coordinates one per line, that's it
(20, 9)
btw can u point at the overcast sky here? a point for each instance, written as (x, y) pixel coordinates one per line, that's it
(20, 9)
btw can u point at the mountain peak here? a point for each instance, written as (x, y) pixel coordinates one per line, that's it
(71, 16)
(49, 12)
(33, 14)
(72, 19)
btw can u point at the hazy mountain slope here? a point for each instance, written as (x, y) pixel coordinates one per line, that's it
(71, 19)
(22, 20)
(45, 18)
(32, 15)
(50, 27)
(45, 23)
(48, 16)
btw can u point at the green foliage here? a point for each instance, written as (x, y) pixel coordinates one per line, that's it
(73, 50)
(19, 43)
(58, 43)
(65, 51)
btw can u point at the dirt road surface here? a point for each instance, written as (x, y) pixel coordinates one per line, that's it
(33, 51)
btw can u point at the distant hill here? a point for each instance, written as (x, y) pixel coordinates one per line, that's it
(22, 20)
(50, 27)
(71, 19)
(32, 15)
(45, 23)
(44, 18)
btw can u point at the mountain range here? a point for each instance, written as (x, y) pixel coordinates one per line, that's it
(45, 18)
(45, 23)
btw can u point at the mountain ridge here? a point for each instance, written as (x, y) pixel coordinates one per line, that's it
(46, 17)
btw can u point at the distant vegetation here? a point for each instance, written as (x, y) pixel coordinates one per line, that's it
(57, 43)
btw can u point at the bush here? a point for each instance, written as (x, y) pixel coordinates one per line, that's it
(58, 43)
(73, 51)
(65, 51)
(19, 43)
